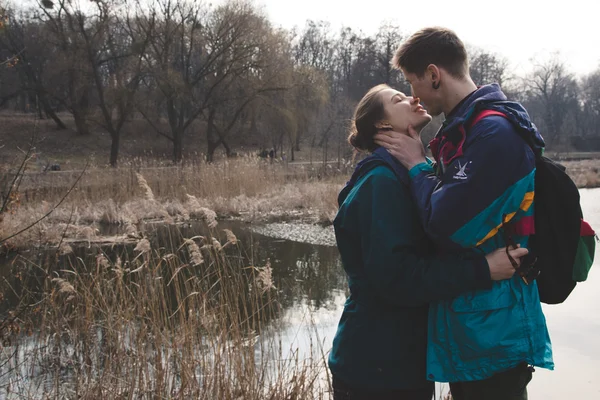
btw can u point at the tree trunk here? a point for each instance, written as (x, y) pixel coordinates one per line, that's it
(178, 146)
(114, 148)
(23, 102)
(50, 112)
(210, 153)
(227, 148)
(38, 107)
(80, 123)
(210, 142)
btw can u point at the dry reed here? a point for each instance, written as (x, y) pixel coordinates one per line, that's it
(155, 323)
(246, 188)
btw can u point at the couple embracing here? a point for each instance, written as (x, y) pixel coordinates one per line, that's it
(437, 288)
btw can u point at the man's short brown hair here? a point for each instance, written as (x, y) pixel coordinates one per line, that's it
(435, 45)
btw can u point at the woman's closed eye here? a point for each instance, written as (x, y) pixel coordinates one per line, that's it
(398, 97)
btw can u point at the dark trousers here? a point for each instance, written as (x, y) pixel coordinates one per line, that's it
(341, 391)
(507, 385)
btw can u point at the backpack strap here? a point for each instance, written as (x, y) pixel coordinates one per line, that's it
(485, 113)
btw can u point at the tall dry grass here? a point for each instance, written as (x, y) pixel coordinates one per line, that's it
(248, 176)
(585, 173)
(184, 319)
(247, 188)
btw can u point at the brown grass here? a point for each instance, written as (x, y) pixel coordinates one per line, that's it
(73, 151)
(247, 188)
(585, 173)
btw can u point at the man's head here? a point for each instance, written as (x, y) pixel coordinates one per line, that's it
(430, 59)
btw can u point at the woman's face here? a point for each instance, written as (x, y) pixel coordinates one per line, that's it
(401, 111)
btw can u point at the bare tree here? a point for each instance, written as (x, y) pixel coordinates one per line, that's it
(114, 46)
(387, 40)
(552, 98)
(315, 46)
(208, 64)
(487, 67)
(252, 66)
(29, 59)
(590, 88)
(60, 20)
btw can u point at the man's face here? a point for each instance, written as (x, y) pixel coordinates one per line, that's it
(423, 89)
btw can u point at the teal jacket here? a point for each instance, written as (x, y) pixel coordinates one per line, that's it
(393, 274)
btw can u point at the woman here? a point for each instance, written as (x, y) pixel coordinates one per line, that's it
(379, 351)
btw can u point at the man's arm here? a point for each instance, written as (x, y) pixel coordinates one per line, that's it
(492, 181)
(486, 187)
(394, 268)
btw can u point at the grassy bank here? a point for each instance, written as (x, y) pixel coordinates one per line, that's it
(585, 173)
(249, 189)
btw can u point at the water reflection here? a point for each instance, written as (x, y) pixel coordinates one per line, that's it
(304, 274)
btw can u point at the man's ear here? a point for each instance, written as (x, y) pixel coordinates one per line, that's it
(432, 73)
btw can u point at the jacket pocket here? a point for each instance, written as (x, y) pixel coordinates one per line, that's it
(499, 296)
(486, 326)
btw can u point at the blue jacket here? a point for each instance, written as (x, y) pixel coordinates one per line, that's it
(393, 274)
(484, 180)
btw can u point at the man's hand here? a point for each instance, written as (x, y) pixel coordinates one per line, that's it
(500, 266)
(405, 147)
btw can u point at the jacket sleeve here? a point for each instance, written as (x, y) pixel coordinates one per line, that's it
(480, 190)
(390, 236)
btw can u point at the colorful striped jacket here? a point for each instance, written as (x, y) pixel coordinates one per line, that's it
(484, 178)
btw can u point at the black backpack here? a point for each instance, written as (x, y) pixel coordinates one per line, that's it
(563, 242)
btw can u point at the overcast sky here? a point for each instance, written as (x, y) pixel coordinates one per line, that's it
(518, 29)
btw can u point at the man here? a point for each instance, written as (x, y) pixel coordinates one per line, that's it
(479, 197)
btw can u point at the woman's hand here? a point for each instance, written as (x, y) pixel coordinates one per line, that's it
(501, 266)
(405, 147)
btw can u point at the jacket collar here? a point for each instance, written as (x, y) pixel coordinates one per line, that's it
(379, 157)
